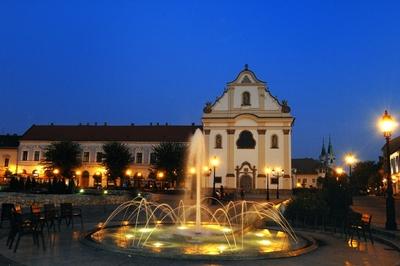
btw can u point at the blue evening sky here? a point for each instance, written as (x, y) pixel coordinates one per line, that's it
(336, 62)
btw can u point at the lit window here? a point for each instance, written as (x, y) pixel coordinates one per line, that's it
(36, 156)
(218, 141)
(246, 98)
(139, 157)
(274, 142)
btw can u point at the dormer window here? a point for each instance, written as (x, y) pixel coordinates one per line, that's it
(246, 98)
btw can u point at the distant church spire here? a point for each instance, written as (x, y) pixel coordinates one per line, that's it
(322, 156)
(331, 155)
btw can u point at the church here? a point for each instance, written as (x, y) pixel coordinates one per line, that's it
(247, 129)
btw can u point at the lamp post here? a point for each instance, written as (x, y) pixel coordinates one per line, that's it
(350, 159)
(214, 164)
(276, 172)
(267, 171)
(387, 124)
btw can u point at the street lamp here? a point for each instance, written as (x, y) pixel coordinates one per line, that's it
(267, 171)
(214, 164)
(387, 124)
(350, 159)
(339, 172)
(277, 173)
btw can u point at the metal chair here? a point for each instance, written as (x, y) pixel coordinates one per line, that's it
(68, 212)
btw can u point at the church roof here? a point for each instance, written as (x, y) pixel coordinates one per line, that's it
(306, 165)
(154, 133)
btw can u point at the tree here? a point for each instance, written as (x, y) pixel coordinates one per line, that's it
(170, 158)
(116, 159)
(364, 174)
(64, 156)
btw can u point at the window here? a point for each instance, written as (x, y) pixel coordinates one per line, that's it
(25, 156)
(36, 156)
(304, 180)
(99, 157)
(139, 157)
(245, 140)
(245, 98)
(218, 141)
(274, 142)
(153, 158)
(85, 157)
(6, 162)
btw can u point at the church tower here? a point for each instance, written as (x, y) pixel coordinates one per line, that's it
(327, 158)
(330, 156)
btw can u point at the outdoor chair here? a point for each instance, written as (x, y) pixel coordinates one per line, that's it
(51, 216)
(21, 226)
(363, 224)
(68, 212)
(6, 212)
(37, 214)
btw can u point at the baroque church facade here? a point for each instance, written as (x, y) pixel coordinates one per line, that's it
(249, 130)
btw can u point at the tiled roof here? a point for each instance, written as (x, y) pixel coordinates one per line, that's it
(306, 165)
(156, 133)
(9, 141)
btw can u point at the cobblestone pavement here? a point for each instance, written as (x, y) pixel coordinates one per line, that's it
(65, 248)
(376, 206)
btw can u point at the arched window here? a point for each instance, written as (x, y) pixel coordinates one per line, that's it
(218, 141)
(246, 98)
(274, 142)
(245, 140)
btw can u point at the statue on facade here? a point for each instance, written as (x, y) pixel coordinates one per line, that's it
(285, 107)
(207, 108)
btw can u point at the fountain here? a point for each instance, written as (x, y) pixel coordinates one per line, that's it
(236, 230)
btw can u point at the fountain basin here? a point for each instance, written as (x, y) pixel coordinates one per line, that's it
(213, 242)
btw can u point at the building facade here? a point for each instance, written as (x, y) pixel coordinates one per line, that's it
(246, 128)
(249, 130)
(8, 154)
(139, 139)
(394, 163)
(306, 172)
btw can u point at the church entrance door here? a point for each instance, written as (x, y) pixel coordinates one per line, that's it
(246, 183)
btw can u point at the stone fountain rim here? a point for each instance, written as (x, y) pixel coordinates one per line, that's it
(309, 247)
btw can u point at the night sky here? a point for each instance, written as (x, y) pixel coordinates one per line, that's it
(337, 63)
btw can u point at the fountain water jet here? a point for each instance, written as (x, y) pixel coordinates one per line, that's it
(229, 231)
(197, 159)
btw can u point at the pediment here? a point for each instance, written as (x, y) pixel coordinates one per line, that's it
(246, 76)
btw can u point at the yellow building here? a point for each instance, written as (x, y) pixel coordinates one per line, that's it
(8, 154)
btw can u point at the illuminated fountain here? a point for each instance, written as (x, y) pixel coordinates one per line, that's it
(236, 230)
